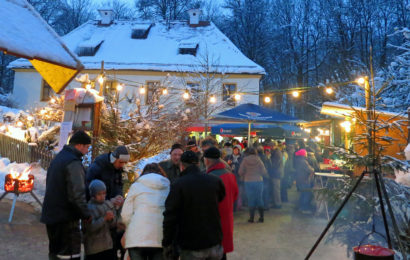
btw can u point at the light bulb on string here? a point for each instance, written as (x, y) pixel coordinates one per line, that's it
(267, 99)
(295, 94)
(237, 97)
(329, 90)
(29, 118)
(212, 99)
(165, 91)
(19, 124)
(101, 79)
(361, 81)
(142, 90)
(88, 86)
(43, 111)
(120, 87)
(52, 101)
(185, 95)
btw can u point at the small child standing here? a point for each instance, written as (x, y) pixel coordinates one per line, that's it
(98, 243)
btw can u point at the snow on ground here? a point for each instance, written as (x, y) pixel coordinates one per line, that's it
(8, 111)
(39, 180)
(164, 155)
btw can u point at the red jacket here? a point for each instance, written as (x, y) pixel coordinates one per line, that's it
(226, 205)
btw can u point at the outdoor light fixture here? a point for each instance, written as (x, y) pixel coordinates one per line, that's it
(43, 111)
(142, 90)
(29, 118)
(19, 124)
(212, 99)
(119, 87)
(267, 99)
(88, 86)
(52, 100)
(361, 81)
(329, 90)
(237, 97)
(295, 94)
(101, 79)
(165, 91)
(185, 95)
(346, 125)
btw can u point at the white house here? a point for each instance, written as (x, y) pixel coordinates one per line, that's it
(137, 53)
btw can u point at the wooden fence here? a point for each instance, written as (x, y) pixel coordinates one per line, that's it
(20, 151)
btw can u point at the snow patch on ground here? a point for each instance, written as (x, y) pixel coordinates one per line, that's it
(39, 181)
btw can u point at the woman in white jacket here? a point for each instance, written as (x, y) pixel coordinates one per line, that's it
(142, 214)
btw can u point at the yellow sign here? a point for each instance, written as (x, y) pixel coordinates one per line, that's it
(56, 76)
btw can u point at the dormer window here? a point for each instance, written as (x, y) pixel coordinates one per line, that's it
(89, 47)
(188, 48)
(140, 31)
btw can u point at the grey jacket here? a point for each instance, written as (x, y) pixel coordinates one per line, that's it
(97, 236)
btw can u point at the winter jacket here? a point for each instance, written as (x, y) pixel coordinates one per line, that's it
(236, 162)
(97, 236)
(267, 163)
(172, 170)
(143, 209)
(303, 171)
(191, 211)
(102, 169)
(65, 199)
(252, 169)
(312, 161)
(277, 164)
(226, 205)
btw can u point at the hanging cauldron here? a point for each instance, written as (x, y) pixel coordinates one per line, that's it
(372, 252)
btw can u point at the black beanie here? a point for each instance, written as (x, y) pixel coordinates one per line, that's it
(80, 137)
(176, 146)
(212, 153)
(189, 157)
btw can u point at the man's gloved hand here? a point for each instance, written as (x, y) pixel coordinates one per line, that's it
(168, 252)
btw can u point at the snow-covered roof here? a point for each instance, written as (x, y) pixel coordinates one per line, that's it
(25, 34)
(159, 51)
(342, 110)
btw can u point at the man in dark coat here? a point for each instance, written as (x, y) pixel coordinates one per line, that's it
(171, 166)
(276, 176)
(215, 166)
(65, 201)
(108, 168)
(191, 217)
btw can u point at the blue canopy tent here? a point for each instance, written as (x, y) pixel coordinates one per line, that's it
(275, 131)
(252, 113)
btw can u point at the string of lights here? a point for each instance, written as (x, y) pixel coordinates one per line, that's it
(266, 95)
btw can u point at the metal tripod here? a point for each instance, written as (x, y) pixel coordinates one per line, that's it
(380, 188)
(13, 205)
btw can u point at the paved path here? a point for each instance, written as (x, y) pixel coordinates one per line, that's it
(286, 235)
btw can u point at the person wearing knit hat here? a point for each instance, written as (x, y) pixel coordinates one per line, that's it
(65, 190)
(304, 175)
(108, 167)
(98, 242)
(171, 166)
(216, 166)
(192, 206)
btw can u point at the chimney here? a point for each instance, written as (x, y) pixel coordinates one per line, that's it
(194, 16)
(107, 16)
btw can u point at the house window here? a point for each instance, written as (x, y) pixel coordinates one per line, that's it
(227, 93)
(187, 47)
(89, 47)
(152, 86)
(140, 31)
(46, 92)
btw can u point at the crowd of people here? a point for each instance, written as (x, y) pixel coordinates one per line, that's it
(181, 208)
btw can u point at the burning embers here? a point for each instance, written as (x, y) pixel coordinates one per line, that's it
(19, 182)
